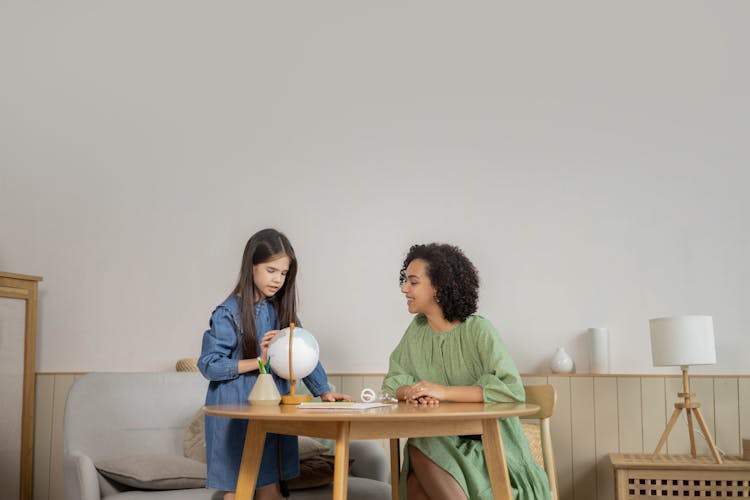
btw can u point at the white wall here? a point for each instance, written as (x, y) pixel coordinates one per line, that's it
(591, 159)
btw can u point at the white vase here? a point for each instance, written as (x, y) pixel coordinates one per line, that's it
(264, 391)
(561, 362)
(598, 350)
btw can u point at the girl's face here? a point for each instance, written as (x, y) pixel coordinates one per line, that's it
(418, 289)
(269, 276)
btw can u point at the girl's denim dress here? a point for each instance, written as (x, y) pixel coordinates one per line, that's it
(225, 437)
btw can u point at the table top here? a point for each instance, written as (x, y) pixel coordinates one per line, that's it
(676, 462)
(445, 411)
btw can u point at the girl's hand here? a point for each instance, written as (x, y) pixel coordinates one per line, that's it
(425, 392)
(330, 397)
(267, 338)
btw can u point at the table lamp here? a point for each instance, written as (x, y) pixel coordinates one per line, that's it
(683, 341)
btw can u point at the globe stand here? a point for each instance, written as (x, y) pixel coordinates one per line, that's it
(295, 399)
(292, 398)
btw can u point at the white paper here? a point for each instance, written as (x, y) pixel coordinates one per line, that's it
(340, 405)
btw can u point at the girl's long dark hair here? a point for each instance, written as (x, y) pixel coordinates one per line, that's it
(263, 246)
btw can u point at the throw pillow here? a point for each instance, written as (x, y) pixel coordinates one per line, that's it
(314, 472)
(194, 440)
(154, 472)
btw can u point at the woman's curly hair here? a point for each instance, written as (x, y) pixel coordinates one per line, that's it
(454, 277)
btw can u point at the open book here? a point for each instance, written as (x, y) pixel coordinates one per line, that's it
(340, 405)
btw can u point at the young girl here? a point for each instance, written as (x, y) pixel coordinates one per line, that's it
(450, 354)
(241, 329)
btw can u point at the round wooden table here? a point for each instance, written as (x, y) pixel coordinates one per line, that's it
(390, 422)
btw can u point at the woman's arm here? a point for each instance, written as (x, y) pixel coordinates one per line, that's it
(425, 389)
(500, 380)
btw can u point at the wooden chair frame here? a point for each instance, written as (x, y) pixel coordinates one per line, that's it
(546, 397)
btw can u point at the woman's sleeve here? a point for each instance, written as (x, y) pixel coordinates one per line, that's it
(317, 381)
(398, 369)
(219, 341)
(500, 380)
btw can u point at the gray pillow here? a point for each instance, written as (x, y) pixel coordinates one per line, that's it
(155, 472)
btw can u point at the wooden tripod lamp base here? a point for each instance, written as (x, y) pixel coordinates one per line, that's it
(692, 409)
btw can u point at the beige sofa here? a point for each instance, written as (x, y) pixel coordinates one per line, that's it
(137, 422)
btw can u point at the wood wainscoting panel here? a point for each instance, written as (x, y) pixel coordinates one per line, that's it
(562, 437)
(629, 414)
(583, 434)
(531, 380)
(654, 415)
(744, 407)
(595, 415)
(727, 416)
(45, 386)
(607, 432)
(63, 383)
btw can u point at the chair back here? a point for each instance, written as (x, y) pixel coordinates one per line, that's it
(546, 397)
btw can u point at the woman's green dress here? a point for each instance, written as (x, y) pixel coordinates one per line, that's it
(469, 354)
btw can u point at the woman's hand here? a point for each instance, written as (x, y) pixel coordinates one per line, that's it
(424, 400)
(330, 397)
(267, 338)
(424, 392)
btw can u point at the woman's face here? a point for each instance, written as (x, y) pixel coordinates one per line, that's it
(418, 289)
(269, 276)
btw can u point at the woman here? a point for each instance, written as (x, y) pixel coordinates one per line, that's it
(450, 354)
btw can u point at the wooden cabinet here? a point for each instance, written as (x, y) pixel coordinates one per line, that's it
(18, 316)
(638, 476)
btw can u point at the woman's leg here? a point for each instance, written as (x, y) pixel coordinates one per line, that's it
(268, 492)
(414, 490)
(436, 482)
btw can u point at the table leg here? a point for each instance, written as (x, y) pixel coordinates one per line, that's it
(395, 467)
(494, 455)
(252, 453)
(341, 463)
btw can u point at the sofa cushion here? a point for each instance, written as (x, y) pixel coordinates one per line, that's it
(154, 472)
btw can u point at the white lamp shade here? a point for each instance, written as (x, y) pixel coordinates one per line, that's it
(682, 341)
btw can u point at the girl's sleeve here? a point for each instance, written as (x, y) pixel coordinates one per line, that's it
(398, 372)
(317, 381)
(219, 341)
(500, 380)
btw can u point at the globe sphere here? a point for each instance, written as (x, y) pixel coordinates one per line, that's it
(305, 353)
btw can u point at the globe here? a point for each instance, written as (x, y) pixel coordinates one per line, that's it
(305, 353)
